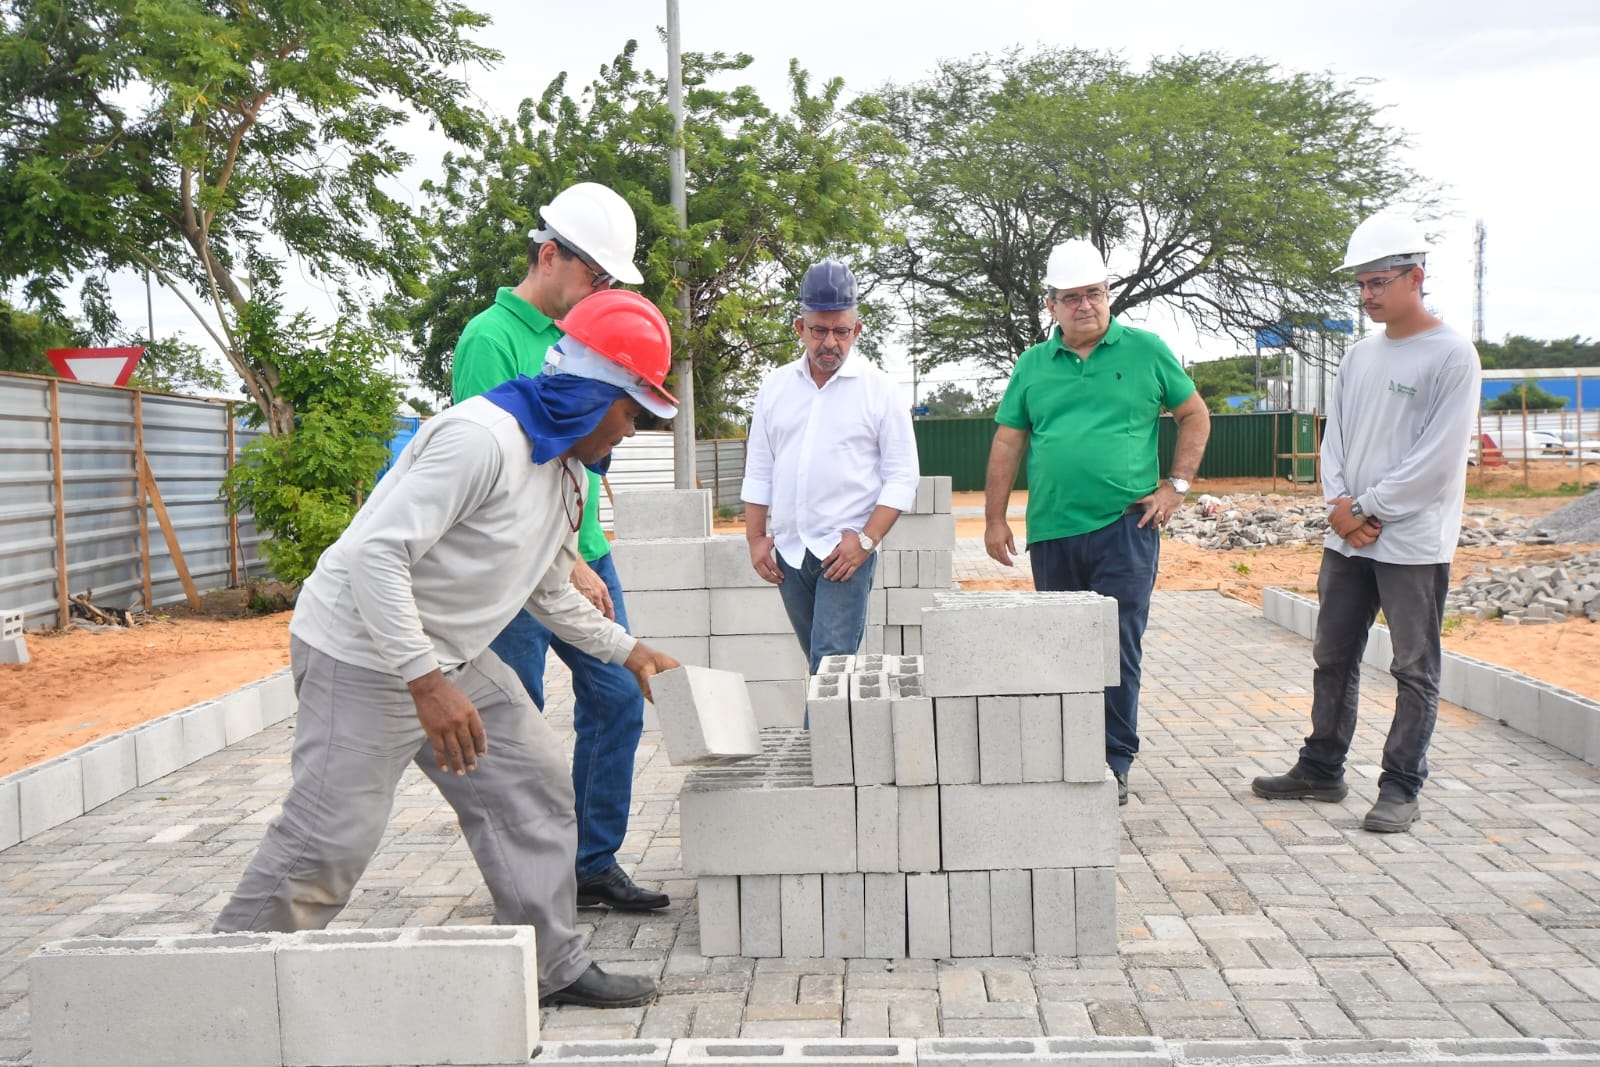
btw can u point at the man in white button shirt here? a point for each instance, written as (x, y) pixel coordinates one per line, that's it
(832, 463)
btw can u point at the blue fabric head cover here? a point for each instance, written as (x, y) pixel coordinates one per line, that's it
(556, 411)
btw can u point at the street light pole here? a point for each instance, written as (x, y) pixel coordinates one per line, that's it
(683, 426)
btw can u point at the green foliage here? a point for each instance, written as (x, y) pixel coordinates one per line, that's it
(24, 337)
(768, 193)
(1517, 351)
(1224, 186)
(183, 136)
(303, 488)
(1219, 379)
(950, 400)
(173, 365)
(1526, 395)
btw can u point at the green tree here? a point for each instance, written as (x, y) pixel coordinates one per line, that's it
(1223, 187)
(768, 192)
(25, 336)
(208, 141)
(1219, 379)
(951, 400)
(1526, 395)
(1517, 352)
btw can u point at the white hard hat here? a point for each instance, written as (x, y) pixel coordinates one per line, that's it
(594, 220)
(1074, 263)
(1385, 241)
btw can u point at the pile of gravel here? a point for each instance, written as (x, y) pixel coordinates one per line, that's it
(1576, 523)
(1225, 523)
(1538, 593)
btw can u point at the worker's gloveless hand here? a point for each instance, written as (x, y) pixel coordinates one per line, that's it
(593, 588)
(451, 722)
(645, 663)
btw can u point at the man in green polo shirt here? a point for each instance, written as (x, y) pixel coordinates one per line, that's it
(1085, 404)
(584, 241)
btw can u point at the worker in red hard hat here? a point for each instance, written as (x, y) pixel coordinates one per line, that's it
(389, 647)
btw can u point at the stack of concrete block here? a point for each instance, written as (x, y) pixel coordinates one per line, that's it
(13, 646)
(928, 812)
(348, 998)
(697, 598)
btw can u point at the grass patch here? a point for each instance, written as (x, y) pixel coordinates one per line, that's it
(1521, 492)
(1450, 624)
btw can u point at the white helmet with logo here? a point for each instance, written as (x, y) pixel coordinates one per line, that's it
(592, 219)
(1385, 241)
(1074, 263)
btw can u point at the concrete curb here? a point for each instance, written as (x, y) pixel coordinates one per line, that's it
(1567, 720)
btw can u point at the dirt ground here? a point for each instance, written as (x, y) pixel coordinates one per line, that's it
(81, 685)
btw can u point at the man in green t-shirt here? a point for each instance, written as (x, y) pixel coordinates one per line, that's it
(1086, 404)
(584, 241)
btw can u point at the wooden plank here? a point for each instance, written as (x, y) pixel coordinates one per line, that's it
(62, 594)
(149, 482)
(139, 505)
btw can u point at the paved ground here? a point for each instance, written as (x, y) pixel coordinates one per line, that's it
(1238, 918)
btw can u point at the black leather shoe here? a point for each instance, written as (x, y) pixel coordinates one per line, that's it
(613, 887)
(1122, 788)
(1295, 786)
(597, 989)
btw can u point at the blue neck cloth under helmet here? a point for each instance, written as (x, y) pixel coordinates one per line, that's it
(556, 411)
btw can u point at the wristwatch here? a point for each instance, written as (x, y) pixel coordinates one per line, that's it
(1355, 508)
(866, 542)
(1180, 484)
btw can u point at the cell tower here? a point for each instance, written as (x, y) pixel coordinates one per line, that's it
(1478, 239)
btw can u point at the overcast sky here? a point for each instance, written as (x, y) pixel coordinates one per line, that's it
(1498, 99)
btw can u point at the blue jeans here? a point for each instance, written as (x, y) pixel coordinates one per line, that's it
(1350, 590)
(828, 617)
(607, 715)
(1118, 561)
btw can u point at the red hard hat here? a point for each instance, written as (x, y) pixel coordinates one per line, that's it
(628, 330)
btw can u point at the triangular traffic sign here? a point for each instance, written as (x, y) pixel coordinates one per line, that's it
(106, 366)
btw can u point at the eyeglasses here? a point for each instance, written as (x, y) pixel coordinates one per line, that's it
(599, 279)
(571, 497)
(1072, 300)
(1377, 286)
(840, 333)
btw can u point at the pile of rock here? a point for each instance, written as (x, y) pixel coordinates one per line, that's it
(1576, 523)
(1224, 523)
(1531, 595)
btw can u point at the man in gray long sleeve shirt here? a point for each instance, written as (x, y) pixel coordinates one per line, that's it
(389, 647)
(1394, 474)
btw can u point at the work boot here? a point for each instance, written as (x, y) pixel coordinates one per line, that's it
(1296, 786)
(597, 989)
(1391, 815)
(613, 887)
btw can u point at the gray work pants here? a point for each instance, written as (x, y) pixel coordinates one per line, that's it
(356, 731)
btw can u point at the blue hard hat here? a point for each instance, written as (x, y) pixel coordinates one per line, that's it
(828, 286)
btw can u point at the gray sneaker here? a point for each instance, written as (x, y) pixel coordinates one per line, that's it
(1295, 786)
(1391, 816)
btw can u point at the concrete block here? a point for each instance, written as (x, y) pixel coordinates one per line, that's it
(728, 564)
(878, 607)
(49, 794)
(705, 716)
(1379, 652)
(1303, 617)
(919, 828)
(1011, 912)
(13, 645)
(878, 828)
(969, 913)
(1566, 720)
(906, 605)
(923, 531)
(836, 664)
(369, 998)
(1111, 626)
(1039, 720)
(1078, 1051)
(666, 563)
(1033, 824)
(999, 740)
(916, 759)
(927, 916)
(872, 640)
(893, 642)
(1516, 700)
(689, 651)
(278, 699)
(778, 704)
(1095, 890)
(1083, 737)
(1019, 643)
(885, 916)
(749, 611)
(759, 657)
(654, 613)
(924, 501)
(871, 729)
(844, 931)
(1453, 678)
(1274, 605)
(790, 1051)
(652, 514)
(110, 768)
(955, 727)
(1055, 912)
(241, 714)
(204, 730)
(158, 748)
(10, 813)
(760, 915)
(764, 816)
(887, 574)
(911, 640)
(942, 484)
(717, 899)
(828, 705)
(95, 1001)
(638, 1052)
(801, 903)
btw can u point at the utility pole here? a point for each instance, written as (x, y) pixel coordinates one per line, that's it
(683, 476)
(1479, 240)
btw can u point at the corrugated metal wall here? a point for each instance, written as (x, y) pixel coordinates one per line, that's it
(186, 442)
(719, 466)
